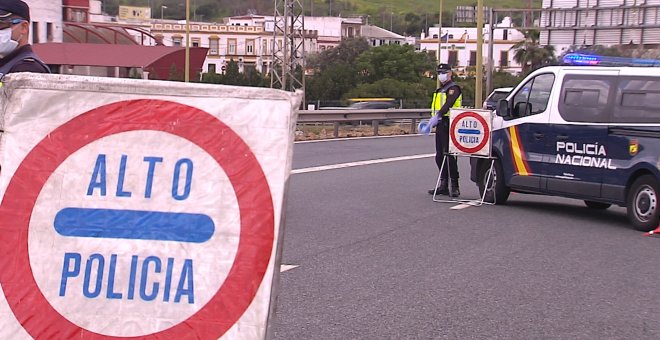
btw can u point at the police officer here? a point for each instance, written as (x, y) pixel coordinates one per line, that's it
(16, 54)
(447, 96)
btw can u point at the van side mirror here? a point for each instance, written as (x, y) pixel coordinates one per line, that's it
(503, 108)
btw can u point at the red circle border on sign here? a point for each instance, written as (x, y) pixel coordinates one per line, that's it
(481, 120)
(236, 293)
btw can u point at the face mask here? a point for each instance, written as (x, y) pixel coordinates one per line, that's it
(6, 44)
(443, 77)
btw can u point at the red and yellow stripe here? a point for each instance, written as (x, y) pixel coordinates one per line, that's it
(519, 162)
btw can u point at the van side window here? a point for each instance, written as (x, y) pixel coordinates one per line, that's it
(586, 98)
(638, 100)
(533, 97)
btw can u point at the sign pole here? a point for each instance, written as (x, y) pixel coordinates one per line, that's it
(187, 71)
(480, 59)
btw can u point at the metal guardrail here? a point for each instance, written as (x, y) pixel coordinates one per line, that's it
(337, 116)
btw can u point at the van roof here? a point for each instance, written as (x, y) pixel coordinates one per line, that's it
(628, 70)
(582, 59)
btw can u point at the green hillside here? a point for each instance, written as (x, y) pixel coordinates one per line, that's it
(432, 6)
(402, 16)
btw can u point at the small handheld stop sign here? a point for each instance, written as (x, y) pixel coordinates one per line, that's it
(470, 132)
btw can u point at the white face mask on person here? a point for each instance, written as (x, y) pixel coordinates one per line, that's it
(443, 77)
(7, 45)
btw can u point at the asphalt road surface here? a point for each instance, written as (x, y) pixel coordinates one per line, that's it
(376, 258)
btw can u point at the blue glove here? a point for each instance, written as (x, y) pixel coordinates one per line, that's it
(426, 126)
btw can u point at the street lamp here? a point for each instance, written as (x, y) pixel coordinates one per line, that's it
(162, 7)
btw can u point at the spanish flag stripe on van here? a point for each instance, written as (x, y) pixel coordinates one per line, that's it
(518, 155)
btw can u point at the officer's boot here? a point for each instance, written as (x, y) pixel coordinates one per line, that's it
(443, 189)
(455, 192)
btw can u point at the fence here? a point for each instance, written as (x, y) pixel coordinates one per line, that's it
(338, 116)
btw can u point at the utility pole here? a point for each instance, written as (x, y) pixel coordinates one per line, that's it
(491, 58)
(439, 41)
(478, 88)
(288, 46)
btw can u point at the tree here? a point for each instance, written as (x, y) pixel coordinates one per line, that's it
(332, 83)
(346, 52)
(415, 94)
(399, 62)
(414, 24)
(530, 54)
(354, 70)
(334, 71)
(232, 75)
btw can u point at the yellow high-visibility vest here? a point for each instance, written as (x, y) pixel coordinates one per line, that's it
(439, 99)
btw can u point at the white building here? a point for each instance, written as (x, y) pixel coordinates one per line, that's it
(46, 17)
(248, 45)
(600, 22)
(379, 36)
(249, 40)
(459, 45)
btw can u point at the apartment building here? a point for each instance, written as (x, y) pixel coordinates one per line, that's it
(634, 23)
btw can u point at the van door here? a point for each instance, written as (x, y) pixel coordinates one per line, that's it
(526, 131)
(634, 133)
(578, 140)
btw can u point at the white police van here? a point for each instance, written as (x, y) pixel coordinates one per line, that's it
(585, 132)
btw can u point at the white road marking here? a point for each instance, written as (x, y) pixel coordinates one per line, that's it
(353, 138)
(360, 163)
(287, 267)
(465, 205)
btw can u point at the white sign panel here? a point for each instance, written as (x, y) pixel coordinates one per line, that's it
(136, 208)
(470, 132)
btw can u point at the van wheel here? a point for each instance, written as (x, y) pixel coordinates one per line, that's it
(642, 203)
(493, 185)
(597, 205)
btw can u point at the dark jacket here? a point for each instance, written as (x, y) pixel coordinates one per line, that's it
(28, 62)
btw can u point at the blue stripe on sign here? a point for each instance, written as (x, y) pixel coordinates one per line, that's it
(134, 225)
(469, 131)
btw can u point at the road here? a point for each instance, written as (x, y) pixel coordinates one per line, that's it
(376, 258)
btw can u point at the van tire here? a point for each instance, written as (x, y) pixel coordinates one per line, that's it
(597, 205)
(642, 203)
(496, 192)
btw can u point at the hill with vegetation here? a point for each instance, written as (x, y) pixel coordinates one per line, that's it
(401, 16)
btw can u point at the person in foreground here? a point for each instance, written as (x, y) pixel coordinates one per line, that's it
(16, 54)
(447, 96)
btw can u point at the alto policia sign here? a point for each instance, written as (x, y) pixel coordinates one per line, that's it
(470, 132)
(149, 212)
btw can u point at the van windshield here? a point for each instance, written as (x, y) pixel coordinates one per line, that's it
(496, 96)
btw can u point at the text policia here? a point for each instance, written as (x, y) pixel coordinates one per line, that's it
(148, 277)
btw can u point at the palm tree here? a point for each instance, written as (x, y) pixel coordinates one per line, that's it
(530, 55)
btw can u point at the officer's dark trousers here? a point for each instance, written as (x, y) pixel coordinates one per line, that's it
(441, 147)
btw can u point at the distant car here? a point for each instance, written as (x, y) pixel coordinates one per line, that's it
(500, 93)
(373, 105)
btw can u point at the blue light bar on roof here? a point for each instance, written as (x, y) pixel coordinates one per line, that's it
(580, 59)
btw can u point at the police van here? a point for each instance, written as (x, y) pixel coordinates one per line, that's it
(585, 132)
